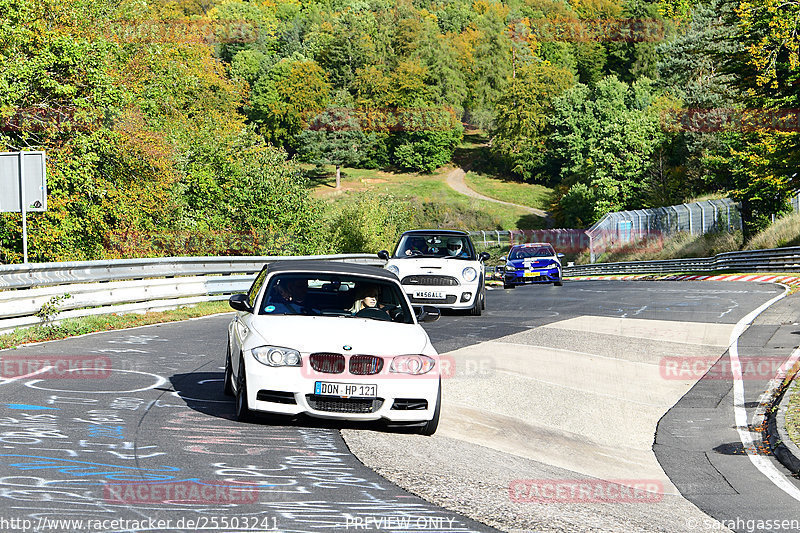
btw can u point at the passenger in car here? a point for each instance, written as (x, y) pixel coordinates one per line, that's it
(288, 297)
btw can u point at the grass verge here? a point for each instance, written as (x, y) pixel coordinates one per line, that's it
(90, 324)
(436, 203)
(784, 232)
(528, 194)
(679, 246)
(793, 413)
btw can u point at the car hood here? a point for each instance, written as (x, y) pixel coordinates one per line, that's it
(309, 334)
(427, 265)
(519, 263)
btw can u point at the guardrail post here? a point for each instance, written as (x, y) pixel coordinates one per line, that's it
(498, 237)
(728, 213)
(715, 213)
(702, 219)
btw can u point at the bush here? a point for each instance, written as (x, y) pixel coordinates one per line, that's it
(425, 151)
(369, 223)
(784, 232)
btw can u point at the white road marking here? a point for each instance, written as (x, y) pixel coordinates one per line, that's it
(11, 380)
(160, 380)
(761, 462)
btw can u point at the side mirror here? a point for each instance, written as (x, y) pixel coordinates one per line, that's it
(503, 258)
(484, 256)
(427, 313)
(559, 255)
(383, 254)
(240, 302)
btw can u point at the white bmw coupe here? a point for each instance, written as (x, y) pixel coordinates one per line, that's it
(332, 340)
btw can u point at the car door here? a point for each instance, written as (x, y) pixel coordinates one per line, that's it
(239, 326)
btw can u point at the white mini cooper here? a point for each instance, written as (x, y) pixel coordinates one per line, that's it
(332, 340)
(441, 268)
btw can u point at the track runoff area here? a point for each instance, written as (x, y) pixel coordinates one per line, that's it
(600, 405)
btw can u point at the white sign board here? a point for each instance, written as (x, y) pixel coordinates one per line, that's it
(34, 178)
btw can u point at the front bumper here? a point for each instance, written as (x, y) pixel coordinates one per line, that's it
(454, 297)
(290, 391)
(522, 276)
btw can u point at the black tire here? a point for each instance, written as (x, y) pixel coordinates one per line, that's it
(430, 426)
(508, 285)
(476, 308)
(227, 381)
(558, 283)
(243, 413)
(483, 300)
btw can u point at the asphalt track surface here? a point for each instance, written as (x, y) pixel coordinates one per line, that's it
(136, 443)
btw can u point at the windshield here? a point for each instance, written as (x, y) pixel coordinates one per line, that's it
(435, 245)
(335, 295)
(524, 252)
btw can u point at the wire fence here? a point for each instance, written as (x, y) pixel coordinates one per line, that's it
(564, 240)
(641, 227)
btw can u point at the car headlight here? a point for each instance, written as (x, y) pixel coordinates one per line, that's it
(412, 364)
(394, 270)
(276, 356)
(469, 274)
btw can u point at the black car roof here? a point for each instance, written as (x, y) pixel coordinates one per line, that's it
(441, 231)
(335, 267)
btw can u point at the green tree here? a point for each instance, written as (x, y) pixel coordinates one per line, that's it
(285, 97)
(605, 138)
(758, 163)
(335, 137)
(522, 110)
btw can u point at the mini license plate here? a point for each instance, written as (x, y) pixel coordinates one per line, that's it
(533, 274)
(430, 295)
(345, 390)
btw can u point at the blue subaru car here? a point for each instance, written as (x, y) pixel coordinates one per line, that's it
(534, 262)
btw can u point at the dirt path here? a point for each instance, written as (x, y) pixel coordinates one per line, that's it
(455, 179)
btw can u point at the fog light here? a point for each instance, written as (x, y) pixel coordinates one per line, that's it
(465, 296)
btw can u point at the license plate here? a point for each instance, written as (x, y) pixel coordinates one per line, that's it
(345, 390)
(532, 274)
(430, 295)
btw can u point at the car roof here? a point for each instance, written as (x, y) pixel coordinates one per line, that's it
(440, 231)
(531, 244)
(334, 267)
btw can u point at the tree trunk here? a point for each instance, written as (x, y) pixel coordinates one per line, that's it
(338, 176)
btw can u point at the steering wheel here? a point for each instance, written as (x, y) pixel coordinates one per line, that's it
(395, 312)
(373, 312)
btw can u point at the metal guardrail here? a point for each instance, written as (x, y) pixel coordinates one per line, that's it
(771, 260)
(131, 285)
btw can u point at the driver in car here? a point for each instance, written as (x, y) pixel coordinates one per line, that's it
(368, 298)
(455, 248)
(415, 246)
